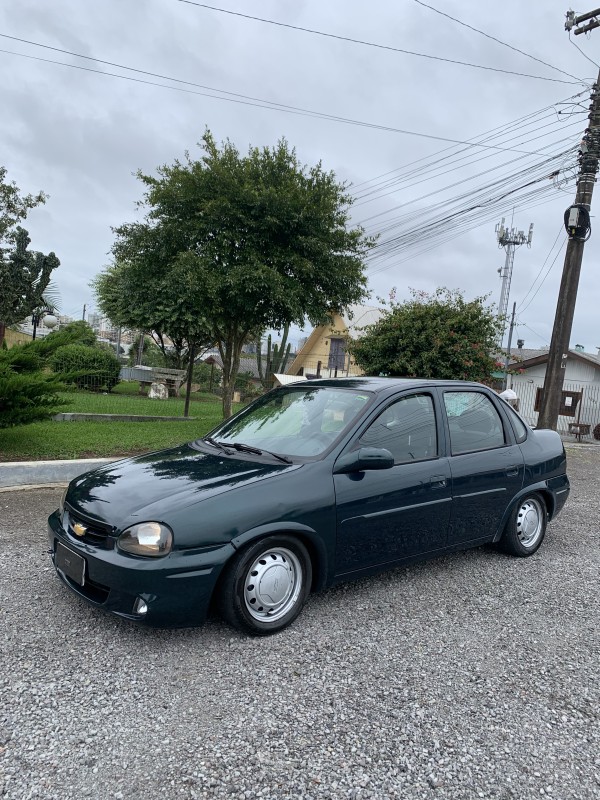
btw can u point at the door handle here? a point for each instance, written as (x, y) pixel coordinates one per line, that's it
(438, 481)
(512, 471)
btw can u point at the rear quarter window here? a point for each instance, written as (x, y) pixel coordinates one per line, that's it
(519, 427)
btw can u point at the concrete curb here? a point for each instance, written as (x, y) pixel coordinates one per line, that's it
(27, 474)
(18, 475)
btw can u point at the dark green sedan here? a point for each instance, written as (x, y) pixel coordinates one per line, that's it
(314, 483)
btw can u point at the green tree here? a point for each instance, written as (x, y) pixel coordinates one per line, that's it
(236, 245)
(78, 331)
(439, 335)
(13, 206)
(139, 295)
(24, 276)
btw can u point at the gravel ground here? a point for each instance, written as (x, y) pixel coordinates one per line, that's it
(473, 676)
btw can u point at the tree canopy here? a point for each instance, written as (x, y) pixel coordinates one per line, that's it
(439, 335)
(235, 245)
(24, 274)
(14, 206)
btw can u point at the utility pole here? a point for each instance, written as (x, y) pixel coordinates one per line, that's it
(577, 224)
(509, 240)
(573, 21)
(83, 314)
(510, 335)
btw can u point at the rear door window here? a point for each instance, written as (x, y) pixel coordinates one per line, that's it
(473, 421)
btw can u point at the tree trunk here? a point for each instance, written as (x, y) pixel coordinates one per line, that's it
(2, 332)
(190, 375)
(230, 355)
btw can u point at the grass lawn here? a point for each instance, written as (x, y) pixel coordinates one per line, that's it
(56, 440)
(128, 401)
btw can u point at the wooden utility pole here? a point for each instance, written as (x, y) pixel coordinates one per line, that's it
(577, 223)
(573, 21)
(509, 345)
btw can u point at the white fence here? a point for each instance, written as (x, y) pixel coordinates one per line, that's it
(580, 403)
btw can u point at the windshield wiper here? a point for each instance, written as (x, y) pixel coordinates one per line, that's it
(246, 448)
(216, 444)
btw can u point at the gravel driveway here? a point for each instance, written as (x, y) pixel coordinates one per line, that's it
(475, 675)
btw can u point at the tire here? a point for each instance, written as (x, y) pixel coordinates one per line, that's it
(526, 528)
(265, 586)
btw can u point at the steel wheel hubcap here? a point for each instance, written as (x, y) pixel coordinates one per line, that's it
(273, 584)
(530, 521)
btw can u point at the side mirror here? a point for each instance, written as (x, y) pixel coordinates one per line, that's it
(367, 458)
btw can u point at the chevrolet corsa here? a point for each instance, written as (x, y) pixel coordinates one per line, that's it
(312, 484)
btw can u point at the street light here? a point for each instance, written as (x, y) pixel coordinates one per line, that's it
(45, 314)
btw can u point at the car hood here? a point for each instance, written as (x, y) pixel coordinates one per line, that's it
(149, 486)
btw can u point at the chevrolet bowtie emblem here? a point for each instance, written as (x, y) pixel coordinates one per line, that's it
(79, 530)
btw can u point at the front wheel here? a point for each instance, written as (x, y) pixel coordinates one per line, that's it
(265, 586)
(526, 528)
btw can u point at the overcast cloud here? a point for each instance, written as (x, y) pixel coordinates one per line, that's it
(80, 136)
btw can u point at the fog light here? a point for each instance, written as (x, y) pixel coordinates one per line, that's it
(140, 607)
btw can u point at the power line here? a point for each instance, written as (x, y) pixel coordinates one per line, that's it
(371, 44)
(560, 230)
(486, 134)
(585, 55)
(452, 152)
(427, 172)
(551, 157)
(549, 270)
(495, 39)
(268, 104)
(535, 333)
(448, 219)
(465, 227)
(450, 158)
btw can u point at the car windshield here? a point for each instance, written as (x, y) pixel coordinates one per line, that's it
(294, 421)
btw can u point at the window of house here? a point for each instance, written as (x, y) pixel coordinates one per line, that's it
(474, 422)
(406, 428)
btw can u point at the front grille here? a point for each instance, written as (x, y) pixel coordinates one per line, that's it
(93, 532)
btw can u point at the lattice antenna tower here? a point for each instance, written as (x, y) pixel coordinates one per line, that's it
(509, 239)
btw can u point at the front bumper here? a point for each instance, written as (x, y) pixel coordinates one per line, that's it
(176, 589)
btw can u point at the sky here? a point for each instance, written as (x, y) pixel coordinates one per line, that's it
(81, 135)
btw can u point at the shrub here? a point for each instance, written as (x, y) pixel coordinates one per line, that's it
(27, 397)
(27, 394)
(86, 367)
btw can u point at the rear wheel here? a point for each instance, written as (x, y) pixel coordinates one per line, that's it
(526, 528)
(265, 586)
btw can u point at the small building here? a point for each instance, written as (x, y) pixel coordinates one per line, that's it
(580, 401)
(324, 354)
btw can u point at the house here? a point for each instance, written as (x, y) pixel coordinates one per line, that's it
(324, 352)
(580, 401)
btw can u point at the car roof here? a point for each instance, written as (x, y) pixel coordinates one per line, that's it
(363, 383)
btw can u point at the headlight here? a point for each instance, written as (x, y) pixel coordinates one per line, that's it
(146, 539)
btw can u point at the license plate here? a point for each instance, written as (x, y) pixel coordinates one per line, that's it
(72, 564)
